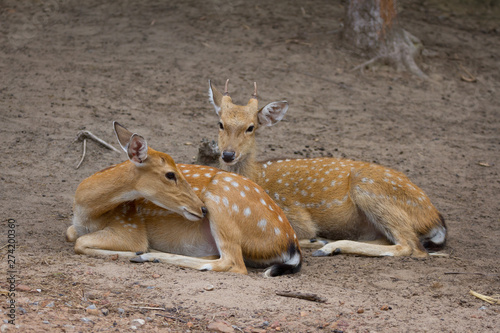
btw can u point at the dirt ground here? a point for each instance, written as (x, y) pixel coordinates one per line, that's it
(65, 67)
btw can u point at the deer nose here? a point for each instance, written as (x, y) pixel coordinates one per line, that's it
(204, 210)
(228, 156)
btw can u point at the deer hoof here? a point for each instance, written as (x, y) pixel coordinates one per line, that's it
(319, 253)
(139, 259)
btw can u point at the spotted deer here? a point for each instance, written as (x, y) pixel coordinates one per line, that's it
(368, 209)
(214, 220)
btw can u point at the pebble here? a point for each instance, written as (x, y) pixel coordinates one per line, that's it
(156, 276)
(23, 287)
(138, 322)
(86, 320)
(209, 287)
(360, 310)
(220, 326)
(120, 311)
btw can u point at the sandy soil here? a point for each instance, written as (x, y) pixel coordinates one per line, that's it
(65, 67)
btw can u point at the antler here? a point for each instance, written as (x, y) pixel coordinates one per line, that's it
(226, 93)
(254, 95)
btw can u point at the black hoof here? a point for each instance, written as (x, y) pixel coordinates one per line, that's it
(319, 253)
(139, 253)
(337, 251)
(156, 261)
(138, 260)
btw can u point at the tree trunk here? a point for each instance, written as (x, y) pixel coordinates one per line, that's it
(372, 26)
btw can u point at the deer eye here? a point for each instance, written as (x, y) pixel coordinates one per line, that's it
(250, 128)
(221, 126)
(170, 175)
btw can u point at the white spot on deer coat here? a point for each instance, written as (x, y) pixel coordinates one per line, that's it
(277, 231)
(262, 224)
(235, 208)
(247, 212)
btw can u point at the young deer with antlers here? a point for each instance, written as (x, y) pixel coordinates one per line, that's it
(369, 209)
(146, 203)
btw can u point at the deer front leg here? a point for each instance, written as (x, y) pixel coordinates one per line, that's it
(368, 249)
(223, 264)
(124, 240)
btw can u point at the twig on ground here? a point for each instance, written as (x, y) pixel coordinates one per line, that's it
(83, 154)
(471, 78)
(366, 63)
(171, 317)
(305, 296)
(83, 136)
(88, 135)
(149, 308)
(485, 298)
(472, 273)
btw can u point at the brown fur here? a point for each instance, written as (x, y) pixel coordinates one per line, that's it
(327, 197)
(114, 213)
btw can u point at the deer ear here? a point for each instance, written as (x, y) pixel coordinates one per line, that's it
(122, 134)
(134, 145)
(272, 113)
(137, 149)
(214, 96)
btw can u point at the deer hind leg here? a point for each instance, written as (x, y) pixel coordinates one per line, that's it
(314, 243)
(390, 220)
(122, 240)
(222, 264)
(71, 234)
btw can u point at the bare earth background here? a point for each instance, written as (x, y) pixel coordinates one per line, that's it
(65, 67)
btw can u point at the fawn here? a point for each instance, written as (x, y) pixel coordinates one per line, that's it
(215, 221)
(368, 209)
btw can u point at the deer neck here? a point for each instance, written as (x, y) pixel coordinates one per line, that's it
(105, 190)
(246, 167)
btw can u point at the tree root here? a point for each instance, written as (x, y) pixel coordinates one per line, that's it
(400, 51)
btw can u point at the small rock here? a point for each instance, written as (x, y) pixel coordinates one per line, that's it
(23, 287)
(303, 314)
(220, 326)
(209, 288)
(46, 322)
(385, 308)
(86, 320)
(156, 276)
(138, 322)
(50, 305)
(120, 311)
(483, 308)
(258, 330)
(113, 257)
(361, 310)
(133, 327)
(105, 311)
(93, 312)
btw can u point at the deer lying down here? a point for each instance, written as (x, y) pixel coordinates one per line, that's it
(344, 200)
(146, 203)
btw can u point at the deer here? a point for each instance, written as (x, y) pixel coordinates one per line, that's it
(149, 208)
(359, 208)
